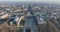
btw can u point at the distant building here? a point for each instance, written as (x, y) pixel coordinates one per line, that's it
(4, 16)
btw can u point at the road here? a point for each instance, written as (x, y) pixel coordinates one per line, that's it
(13, 13)
(31, 23)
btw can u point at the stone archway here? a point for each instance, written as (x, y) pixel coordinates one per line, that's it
(18, 23)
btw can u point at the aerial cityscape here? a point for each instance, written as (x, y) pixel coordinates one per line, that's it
(29, 17)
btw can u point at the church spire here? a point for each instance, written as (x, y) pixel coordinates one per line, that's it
(30, 9)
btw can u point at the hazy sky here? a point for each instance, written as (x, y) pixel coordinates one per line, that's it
(34, 0)
(29, 0)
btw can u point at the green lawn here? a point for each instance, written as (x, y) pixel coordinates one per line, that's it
(22, 22)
